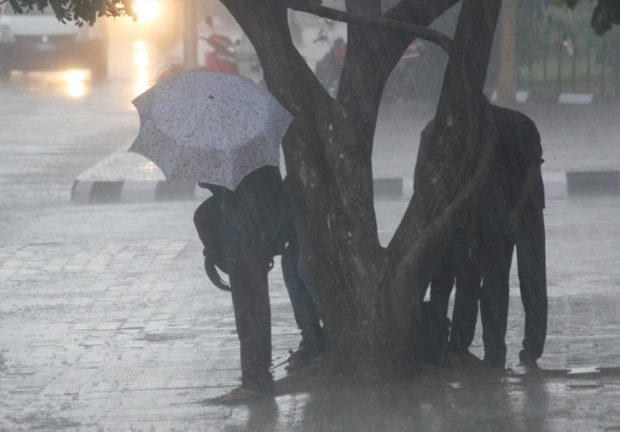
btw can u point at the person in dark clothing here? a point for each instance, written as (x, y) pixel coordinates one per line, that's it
(508, 212)
(520, 154)
(460, 264)
(495, 257)
(241, 232)
(512, 215)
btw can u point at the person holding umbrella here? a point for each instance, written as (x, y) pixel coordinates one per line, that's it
(241, 232)
(223, 131)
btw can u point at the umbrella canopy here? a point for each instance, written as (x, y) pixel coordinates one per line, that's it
(209, 127)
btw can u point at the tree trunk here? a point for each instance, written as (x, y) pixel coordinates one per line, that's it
(454, 169)
(365, 291)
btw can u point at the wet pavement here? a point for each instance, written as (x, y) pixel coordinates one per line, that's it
(107, 322)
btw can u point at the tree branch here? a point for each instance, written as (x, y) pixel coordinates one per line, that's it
(382, 49)
(380, 23)
(463, 83)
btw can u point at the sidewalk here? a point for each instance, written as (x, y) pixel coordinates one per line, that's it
(120, 330)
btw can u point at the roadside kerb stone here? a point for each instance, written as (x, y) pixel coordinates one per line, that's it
(126, 177)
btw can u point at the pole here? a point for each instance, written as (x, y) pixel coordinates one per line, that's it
(508, 73)
(190, 35)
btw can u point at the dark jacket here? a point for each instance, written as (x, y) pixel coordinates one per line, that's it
(253, 218)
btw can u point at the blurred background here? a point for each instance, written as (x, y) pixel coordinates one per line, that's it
(540, 48)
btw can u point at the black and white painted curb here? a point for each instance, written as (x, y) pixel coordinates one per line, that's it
(524, 96)
(124, 177)
(558, 185)
(102, 191)
(127, 177)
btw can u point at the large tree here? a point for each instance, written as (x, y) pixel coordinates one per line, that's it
(369, 294)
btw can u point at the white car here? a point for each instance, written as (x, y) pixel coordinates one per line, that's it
(38, 41)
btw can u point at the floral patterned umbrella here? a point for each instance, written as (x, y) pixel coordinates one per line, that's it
(209, 127)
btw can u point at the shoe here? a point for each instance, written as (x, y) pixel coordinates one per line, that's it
(237, 396)
(297, 360)
(468, 359)
(453, 361)
(527, 360)
(494, 363)
(301, 358)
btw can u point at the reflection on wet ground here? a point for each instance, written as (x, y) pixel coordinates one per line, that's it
(528, 404)
(72, 83)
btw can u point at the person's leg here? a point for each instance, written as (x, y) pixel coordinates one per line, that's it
(533, 284)
(249, 287)
(467, 296)
(304, 310)
(438, 328)
(443, 282)
(304, 274)
(494, 299)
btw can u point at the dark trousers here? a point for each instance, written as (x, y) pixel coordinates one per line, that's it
(303, 301)
(480, 266)
(494, 295)
(247, 273)
(531, 261)
(460, 265)
(250, 295)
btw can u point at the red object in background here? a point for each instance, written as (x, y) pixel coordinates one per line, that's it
(217, 63)
(222, 58)
(339, 49)
(220, 43)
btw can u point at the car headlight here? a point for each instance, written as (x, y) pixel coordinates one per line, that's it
(6, 35)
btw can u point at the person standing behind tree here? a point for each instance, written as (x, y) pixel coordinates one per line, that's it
(305, 305)
(510, 214)
(520, 153)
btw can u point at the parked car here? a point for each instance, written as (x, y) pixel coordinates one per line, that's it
(38, 41)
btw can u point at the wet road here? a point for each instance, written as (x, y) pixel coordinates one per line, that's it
(108, 323)
(55, 124)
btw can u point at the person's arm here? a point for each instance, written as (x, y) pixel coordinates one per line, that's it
(532, 176)
(210, 267)
(206, 220)
(530, 148)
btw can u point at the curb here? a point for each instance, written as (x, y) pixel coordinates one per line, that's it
(107, 192)
(525, 96)
(125, 178)
(114, 191)
(593, 183)
(391, 188)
